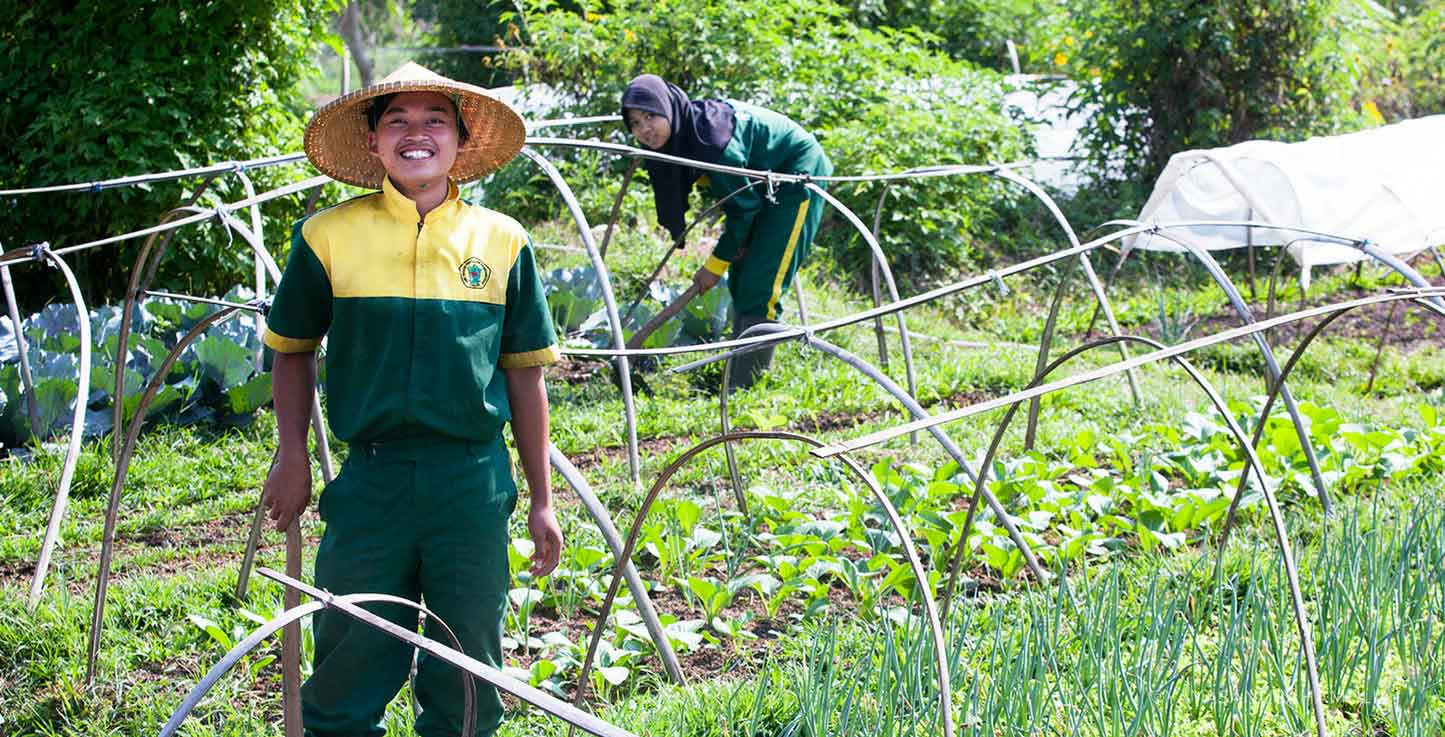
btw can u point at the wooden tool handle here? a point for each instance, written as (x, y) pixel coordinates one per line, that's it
(662, 317)
(291, 638)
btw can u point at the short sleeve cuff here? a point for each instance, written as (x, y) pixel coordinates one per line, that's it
(717, 266)
(528, 359)
(283, 344)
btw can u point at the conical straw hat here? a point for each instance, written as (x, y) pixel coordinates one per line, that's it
(336, 135)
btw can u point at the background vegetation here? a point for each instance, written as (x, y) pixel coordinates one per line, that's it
(799, 618)
(95, 90)
(885, 84)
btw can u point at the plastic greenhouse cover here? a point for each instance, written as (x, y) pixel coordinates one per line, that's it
(1382, 184)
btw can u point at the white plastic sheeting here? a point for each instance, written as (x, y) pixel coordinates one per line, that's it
(1041, 103)
(1386, 185)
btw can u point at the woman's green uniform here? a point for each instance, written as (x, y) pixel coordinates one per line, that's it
(769, 229)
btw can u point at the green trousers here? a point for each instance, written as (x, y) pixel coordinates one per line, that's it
(425, 520)
(781, 237)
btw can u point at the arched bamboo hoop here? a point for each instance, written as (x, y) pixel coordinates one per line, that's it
(1281, 534)
(112, 508)
(914, 408)
(921, 575)
(619, 341)
(77, 428)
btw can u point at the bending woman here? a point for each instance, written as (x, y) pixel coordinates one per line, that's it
(769, 230)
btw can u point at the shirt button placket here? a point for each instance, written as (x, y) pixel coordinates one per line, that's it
(416, 279)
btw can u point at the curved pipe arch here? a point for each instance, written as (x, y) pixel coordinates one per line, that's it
(608, 530)
(754, 178)
(634, 152)
(874, 276)
(915, 409)
(624, 370)
(169, 225)
(1365, 246)
(1115, 368)
(1271, 395)
(1084, 262)
(137, 285)
(143, 273)
(259, 272)
(294, 614)
(879, 262)
(1271, 365)
(77, 428)
(921, 575)
(1255, 464)
(718, 349)
(113, 506)
(1236, 300)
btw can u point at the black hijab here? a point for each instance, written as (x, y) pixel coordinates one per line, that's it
(700, 130)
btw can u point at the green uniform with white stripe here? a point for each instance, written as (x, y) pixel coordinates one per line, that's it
(764, 241)
(419, 316)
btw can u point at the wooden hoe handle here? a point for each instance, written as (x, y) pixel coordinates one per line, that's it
(662, 317)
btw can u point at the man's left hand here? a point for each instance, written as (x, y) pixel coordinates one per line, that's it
(546, 540)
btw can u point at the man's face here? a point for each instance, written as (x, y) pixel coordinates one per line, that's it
(650, 130)
(416, 139)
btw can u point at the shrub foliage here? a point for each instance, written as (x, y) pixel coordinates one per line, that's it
(1170, 75)
(877, 99)
(99, 89)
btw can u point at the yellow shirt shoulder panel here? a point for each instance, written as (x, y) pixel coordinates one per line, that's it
(336, 232)
(461, 252)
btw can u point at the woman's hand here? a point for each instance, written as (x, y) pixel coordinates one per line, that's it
(704, 280)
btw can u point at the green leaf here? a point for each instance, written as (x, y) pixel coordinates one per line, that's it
(524, 598)
(210, 627)
(250, 396)
(688, 513)
(223, 362)
(615, 675)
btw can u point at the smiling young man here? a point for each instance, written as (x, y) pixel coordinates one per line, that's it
(437, 333)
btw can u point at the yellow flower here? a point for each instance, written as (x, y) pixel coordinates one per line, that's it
(1372, 111)
(1088, 34)
(1060, 59)
(629, 35)
(1068, 40)
(593, 17)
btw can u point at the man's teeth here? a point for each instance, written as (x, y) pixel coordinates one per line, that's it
(416, 154)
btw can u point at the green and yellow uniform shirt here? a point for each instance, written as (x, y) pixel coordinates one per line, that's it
(419, 314)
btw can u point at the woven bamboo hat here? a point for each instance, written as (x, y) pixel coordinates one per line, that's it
(336, 136)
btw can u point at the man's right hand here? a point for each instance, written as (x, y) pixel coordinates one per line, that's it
(288, 488)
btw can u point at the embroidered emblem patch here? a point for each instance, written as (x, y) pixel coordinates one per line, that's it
(475, 274)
